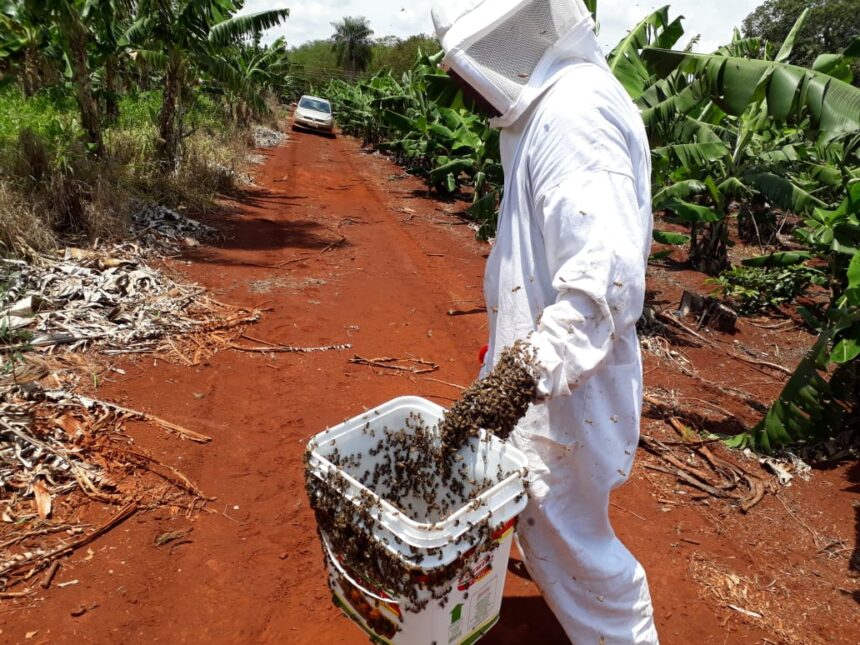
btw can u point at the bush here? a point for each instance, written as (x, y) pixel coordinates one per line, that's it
(50, 186)
(754, 290)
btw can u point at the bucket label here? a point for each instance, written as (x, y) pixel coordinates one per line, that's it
(482, 605)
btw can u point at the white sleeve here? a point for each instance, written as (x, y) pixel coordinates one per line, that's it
(592, 232)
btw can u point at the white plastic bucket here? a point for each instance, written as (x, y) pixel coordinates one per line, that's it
(472, 606)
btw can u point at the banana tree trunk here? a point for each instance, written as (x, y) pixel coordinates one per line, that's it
(30, 77)
(168, 121)
(90, 121)
(111, 102)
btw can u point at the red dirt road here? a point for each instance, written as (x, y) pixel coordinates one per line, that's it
(365, 258)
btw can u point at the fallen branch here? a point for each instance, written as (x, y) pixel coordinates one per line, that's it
(454, 385)
(183, 482)
(41, 532)
(689, 479)
(750, 361)
(49, 576)
(467, 312)
(12, 595)
(185, 433)
(388, 363)
(283, 349)
(121, 516)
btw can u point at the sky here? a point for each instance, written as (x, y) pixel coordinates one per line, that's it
(312, 20)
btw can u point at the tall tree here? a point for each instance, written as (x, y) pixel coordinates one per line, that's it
(352, 43)
(831, 27)
(186, 38)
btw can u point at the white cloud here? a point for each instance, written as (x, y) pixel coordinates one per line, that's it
(312, 20)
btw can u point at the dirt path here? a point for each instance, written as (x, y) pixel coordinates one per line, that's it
(340, 248)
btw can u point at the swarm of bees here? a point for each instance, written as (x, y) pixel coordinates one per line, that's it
(495, 404)
(428, 474)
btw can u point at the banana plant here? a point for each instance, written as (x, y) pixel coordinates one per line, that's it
(186, 39)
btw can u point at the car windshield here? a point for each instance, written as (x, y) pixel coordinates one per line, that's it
(315, 104)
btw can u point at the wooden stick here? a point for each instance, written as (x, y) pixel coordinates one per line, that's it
(280, 349)
(689, 479)
(185, 433)
(49, 576)
(671, 320)
(39, 533)
(689, 541)
(10, 595)
(454, 385)
(386, 363)
(183, 480)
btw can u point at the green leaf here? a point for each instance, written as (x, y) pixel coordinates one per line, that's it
(455, 167)
(625, 62)
(783, 193)
(854, 272)
(784, 259)
(691, 213)
(788, 46)
(667, 237)
(695, 155)
(231, 30)
(397, 121)
(680, 190)
(853, 50)
(847, 350)
(734, 83)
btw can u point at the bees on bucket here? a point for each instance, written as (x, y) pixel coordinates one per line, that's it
(412, 470)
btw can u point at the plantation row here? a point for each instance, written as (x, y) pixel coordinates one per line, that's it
(105, 102)
(742, 140)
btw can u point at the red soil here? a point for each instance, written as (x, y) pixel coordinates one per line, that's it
(366, 258)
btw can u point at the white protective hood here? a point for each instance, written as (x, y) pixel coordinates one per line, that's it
(508, 50)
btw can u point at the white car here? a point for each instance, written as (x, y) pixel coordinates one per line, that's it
(314, 113)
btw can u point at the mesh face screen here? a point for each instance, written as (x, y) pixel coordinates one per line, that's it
(510, 53)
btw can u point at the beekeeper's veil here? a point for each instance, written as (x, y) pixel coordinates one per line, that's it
(509, 50)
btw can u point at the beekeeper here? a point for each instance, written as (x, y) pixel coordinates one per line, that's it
(567, 275)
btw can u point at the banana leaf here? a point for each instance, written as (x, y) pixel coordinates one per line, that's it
(784, 259)
(679, 190)
(690, 213)
(625, 62)
(667, 237)
(735, 83)
(783, 193)
(807, 410)
(788, 46)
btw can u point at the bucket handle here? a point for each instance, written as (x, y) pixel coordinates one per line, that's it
(350, 579)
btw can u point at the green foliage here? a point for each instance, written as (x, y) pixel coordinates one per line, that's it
(399, 55)
(831, 27)
(52, 118)
(754, 290)
(423, 123)
(817, 402)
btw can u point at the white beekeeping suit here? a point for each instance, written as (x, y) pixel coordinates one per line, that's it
(567, 272)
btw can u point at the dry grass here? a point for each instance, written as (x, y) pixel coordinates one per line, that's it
(22, 227)
(50, 194)
(767, 605)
